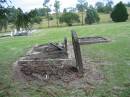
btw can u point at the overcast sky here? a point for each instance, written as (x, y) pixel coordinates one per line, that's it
(27, 5)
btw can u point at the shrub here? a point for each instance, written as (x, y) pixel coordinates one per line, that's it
(69, 18)
(91, 16)
(119, 13)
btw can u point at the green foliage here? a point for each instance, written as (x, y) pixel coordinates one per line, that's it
(125, 93)
(57, 10)
(69, 18)
(100, 7)
(3, 15)
(40, 11)
(119, 13)
(45, 4)
(26, 20)
(108, 7)
(22, 20)
(82, 6)
(65, 10)
(3, 19)
(12, 12)
(91, 16)
(104, 8)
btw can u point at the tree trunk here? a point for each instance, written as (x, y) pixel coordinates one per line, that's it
(82, 17)
(57, 19)
(48, 19)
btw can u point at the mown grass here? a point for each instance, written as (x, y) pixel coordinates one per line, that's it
(114, 54)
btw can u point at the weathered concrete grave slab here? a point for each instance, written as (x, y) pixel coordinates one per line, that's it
(48, 62)
(92, 40)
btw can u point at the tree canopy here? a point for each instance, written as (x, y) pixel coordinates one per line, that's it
(91, 16)
(119, 13)
(69, 18)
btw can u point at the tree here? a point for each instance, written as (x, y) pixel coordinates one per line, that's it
(3, 15)
(119, 13)
(40, 11)
(108, 7)
(69, 18)
(12, 12)
(22, 20)
(91, 16)
(81, 6)
(100, 6)
(25, 20)
(57, 10)
(128, 4)
(3, 19)
(65, 10)
(45, 4)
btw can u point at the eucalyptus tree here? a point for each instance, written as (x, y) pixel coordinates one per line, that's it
(57, 10)
(82, 6)
(108, 6)
(100, 6)
(46, 5)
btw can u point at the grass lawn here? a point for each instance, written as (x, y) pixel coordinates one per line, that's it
(115, 55)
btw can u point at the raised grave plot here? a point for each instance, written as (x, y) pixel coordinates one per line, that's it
(92, 40)
(59, 64)
(46, 63)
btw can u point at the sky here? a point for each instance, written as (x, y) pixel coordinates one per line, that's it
(27, 5)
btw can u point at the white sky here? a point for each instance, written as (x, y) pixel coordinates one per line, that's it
(27, 5)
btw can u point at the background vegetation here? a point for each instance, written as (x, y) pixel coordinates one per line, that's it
(113, 57)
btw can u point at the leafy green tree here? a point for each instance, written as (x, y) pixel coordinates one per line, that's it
(45, 4)
(40, 11)
(91, 16)
(82, 6)
(108, 7)
(3, 19)
(65, 10)
(22, 20)
(119, 13)
(69, 18)
(3, 15)
(25, 20)
(57, 10)
(71, 9)
(12, 12)
(100, 6)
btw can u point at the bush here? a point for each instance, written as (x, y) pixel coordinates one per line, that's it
(50, 17)
(69, 18)
(91, 16)
(119, 13)
(36, 20)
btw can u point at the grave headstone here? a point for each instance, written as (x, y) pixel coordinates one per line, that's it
(77, 52)
(65, 44)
